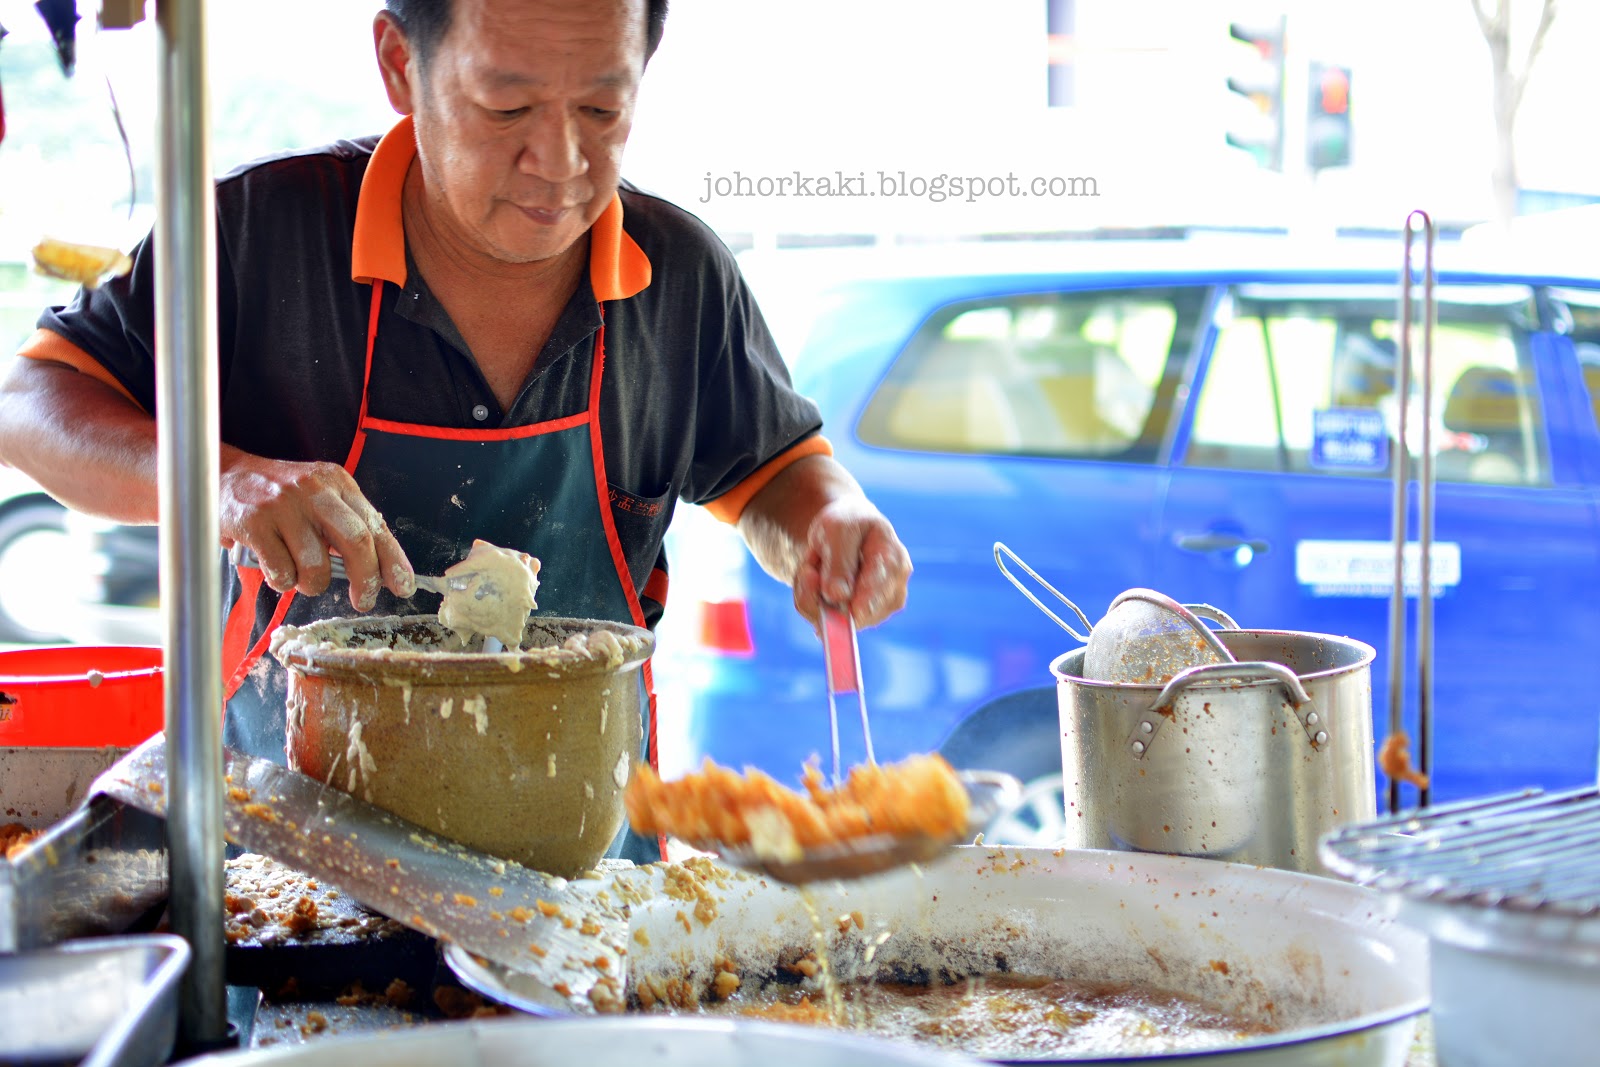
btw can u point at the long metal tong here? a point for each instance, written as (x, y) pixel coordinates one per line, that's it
(841, 657)
(1402, 475)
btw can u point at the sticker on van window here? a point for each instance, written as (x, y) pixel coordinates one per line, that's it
(1366, 568)
(1349, 439)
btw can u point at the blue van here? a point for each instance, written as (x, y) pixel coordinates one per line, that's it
(1212, 420)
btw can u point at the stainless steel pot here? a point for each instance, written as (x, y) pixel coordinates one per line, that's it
(1249, 762)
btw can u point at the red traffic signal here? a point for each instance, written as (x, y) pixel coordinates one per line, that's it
(1328, 117)
(1333, 88)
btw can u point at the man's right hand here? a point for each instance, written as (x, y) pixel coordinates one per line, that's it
(291, 515)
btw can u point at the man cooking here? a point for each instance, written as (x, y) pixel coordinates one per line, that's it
(467, 329)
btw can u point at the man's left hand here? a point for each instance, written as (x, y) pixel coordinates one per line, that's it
(853, 560)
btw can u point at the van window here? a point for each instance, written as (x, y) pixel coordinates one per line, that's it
(1087, 373)
(1304, 380)
(1583, 308)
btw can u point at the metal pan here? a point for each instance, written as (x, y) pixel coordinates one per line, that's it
(101, 868)
(637, 1042)
(1322, 960)
(109, 1002)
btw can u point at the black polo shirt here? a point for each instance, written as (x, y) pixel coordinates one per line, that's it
(696, 402)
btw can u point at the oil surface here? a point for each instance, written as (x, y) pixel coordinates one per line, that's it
(1012, 1016)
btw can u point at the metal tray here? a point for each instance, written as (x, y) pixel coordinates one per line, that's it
(107, 1002)
(100, 868)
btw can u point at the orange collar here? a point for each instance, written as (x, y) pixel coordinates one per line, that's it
(618, 268)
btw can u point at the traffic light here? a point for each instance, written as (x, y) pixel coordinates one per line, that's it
(1258, 78)
(1328, 117)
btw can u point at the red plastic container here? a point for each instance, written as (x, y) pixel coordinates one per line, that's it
(80, 696)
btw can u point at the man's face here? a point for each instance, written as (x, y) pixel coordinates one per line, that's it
(521, 118)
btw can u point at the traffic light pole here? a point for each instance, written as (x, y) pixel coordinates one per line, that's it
(1296, 84)
(1300, 180)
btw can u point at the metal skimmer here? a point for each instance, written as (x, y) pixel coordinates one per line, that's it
(1528, 851)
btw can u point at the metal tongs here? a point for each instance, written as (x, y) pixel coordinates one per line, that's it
(1401, 519)
(988, 792)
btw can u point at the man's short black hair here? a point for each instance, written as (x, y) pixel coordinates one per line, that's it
(425, 23)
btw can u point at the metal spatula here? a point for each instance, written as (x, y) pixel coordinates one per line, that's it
(558, 932)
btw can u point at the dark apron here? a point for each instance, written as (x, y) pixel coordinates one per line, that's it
(540, 489)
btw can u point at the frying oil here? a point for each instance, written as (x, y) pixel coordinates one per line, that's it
(832, 998)
(837, 1007)
(1011, 1016)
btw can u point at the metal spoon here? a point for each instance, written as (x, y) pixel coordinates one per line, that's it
(242, 556)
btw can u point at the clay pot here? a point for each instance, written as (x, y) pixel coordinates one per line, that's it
(521, 755)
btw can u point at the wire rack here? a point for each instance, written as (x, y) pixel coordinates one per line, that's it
(1530, 851)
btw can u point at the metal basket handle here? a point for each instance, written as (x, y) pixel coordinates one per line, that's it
(1217, 615)
(1025, 591)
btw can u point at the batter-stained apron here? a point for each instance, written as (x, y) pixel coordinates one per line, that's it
(540, 489)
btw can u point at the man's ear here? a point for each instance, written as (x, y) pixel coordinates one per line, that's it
(395, 62)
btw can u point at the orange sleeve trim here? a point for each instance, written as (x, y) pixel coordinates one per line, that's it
(51, 347)
(730, 505)
(618, 267)
(378, 246)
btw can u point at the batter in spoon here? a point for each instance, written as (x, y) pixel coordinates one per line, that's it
(491, 592)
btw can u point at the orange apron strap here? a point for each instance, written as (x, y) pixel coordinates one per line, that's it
(614, 543)
(360, 438)
(241, 619)
(651, 754)
(260, 647)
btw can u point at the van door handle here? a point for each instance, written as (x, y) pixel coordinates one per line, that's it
(1220, 542)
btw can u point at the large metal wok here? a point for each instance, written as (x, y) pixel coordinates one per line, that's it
(1321, 960)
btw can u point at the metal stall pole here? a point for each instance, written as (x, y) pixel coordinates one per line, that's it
(1425, 517)
(186, 399)
(1399, 514)
(1401, 525)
